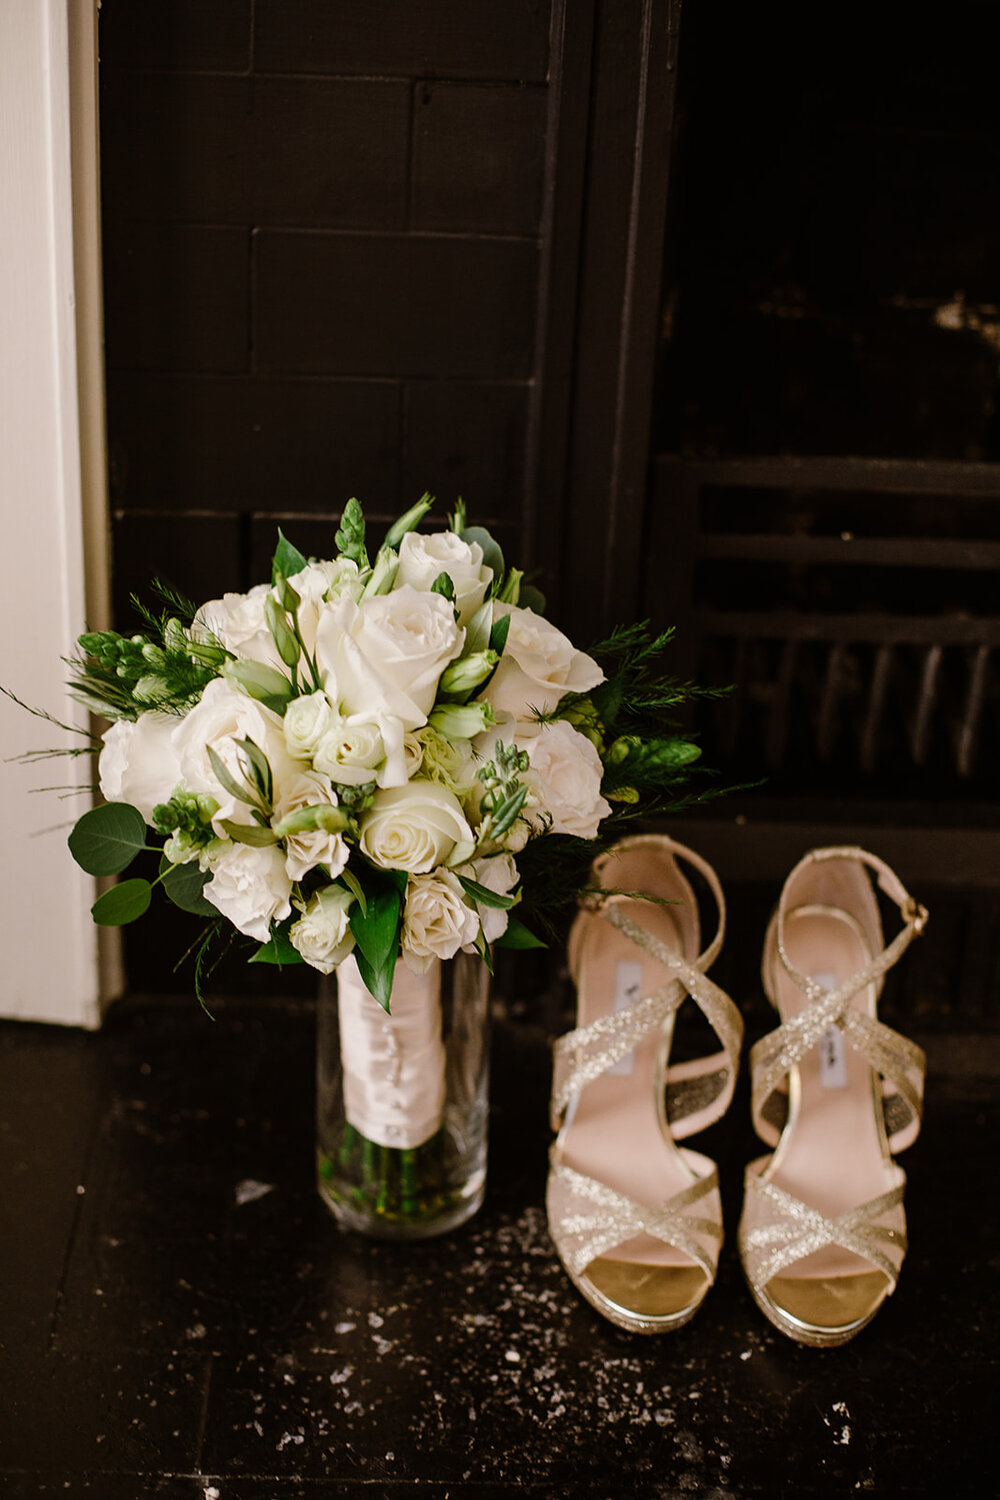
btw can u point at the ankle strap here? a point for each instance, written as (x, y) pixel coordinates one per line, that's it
(914, 918)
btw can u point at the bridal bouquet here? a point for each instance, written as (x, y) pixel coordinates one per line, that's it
(371, 765)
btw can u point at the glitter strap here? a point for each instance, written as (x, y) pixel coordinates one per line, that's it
(699, 1092)
(899, 1061)
(610, 1218)
(786, 1230)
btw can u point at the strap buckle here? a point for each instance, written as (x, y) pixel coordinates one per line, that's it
(915, 915)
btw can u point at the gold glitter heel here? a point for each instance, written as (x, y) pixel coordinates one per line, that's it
(823, 1232)
(637, 1220)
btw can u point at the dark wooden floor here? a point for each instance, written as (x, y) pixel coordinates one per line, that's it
(182, 1318)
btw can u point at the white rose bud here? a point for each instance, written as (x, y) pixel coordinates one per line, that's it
(357, 748)
(436, 920)
(306, 721)
(413, 827)
(322, 934)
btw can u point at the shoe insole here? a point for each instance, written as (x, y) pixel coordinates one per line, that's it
(614, 1133)
(832, 1154)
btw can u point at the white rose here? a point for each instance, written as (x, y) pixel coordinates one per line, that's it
(413, 827)
(223, 716)
(306, 721)
(387, 654)
(139, 763)
(497, 873)
(313, 584)
(567, 779)
(250, 887)
(539, 666)
(304, 851)
(322, 934)
(413, 754)
(424, 558)
(436, 920)
(362, 747)
(237, 622)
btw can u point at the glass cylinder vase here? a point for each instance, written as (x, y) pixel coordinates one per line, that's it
(402, 1098)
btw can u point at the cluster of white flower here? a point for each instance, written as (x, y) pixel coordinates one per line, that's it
(354, 709)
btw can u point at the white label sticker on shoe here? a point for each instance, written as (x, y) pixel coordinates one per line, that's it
(628, 989)
(832, 1052)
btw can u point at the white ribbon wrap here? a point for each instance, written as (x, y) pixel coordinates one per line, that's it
(393, 1065)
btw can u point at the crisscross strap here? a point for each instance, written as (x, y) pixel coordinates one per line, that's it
(782, 1230)
(610, 1218)
(899, 1061)
(698, 1092)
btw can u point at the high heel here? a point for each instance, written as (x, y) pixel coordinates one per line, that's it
(823, 1232)
(637, 1220)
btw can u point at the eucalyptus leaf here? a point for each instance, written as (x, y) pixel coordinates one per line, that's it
(123, 903)
(107, 839)
(518, 936)
(532, 598)
(184, 885)
(492, 555)
(287, 559)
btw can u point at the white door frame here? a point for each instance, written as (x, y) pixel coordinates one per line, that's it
(54, 964)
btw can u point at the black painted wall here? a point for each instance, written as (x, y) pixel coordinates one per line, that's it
(321, 232)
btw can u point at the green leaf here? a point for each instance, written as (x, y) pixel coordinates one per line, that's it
(485, 896)
(499, 633)
(250, 833)
(123, 903)
(278, 950)
(531, 598)
(287, 559)
(483, 949)
(443, 585)
(260, 767)
(407, 522)
(376, 934)
(354, 884)
(184, 885)
(107, 839)
(477, 632)
(492, 556)
(508, 811)
(518, 936)
(227, 780)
